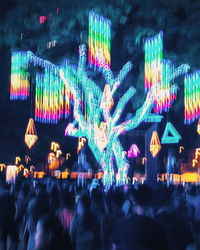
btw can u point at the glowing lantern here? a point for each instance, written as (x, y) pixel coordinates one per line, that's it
(133, 151)
(31, 134)
(174, 138)
(155, 144)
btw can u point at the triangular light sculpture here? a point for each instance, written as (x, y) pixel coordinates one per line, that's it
(133, 151)
(155, 144)
(31, 134)
(173, 138)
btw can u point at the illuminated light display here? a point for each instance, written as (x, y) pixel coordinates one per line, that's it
(159, 72)
(166, 95)
(133, 151)
(153, 60)
(81, 142)
(20, 86)
(42, 19)
(17, 160)
(194, 162)
(181, 148)
(51, 157)
(99, 40)
(197, 153)
(107, 99)
(67, 156)
(155, 145)
(2, 166)
(54, 146)
(144, 160)
(101, 135)
(27, 159)
(198, 127)
(31, 134)
(107, 148)
(167, 138)
(58, 153)
(192, 97)
(11, 172)
(49, 101)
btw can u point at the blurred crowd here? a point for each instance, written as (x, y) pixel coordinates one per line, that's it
(55, 214)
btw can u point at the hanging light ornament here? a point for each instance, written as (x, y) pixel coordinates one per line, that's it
(20, 86)
(158, 72)
(99, 40)
(49, 97)
(155, 144)
(31, 134)
(192, 97)
(133, 151)
(167, 138)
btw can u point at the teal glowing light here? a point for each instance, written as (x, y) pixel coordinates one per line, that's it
(173, 138)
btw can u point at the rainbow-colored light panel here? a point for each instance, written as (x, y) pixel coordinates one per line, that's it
(99, 41)
(158, 72)
(192, 97)
(20, 86)
(49, 97)
(165, 94)
(153, 60)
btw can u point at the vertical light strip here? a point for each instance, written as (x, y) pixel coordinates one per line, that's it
(20, 86)
(192, 97)
(99, 41)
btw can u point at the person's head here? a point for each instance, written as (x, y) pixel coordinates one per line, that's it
(142, 200)
(83, 205)
(50, 234)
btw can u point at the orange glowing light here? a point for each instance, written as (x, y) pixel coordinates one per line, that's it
(144, 159)
(197, 153)
(81, 142)
(51, 157)
(181, 148)
(31, 134)
(190, 177)
(17, 160)
(194, 162)
(55, 146)
(155, 145)
(58, 153)
(27, 159)
(2, 166)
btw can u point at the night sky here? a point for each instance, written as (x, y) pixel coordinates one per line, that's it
(132, 22)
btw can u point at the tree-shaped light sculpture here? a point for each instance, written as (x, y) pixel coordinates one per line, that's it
(106, 146)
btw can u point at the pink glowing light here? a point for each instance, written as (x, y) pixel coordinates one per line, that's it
(133, 151)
